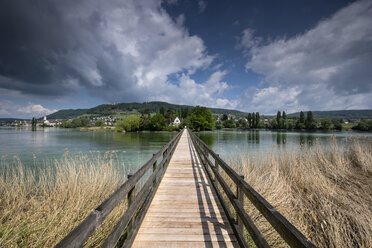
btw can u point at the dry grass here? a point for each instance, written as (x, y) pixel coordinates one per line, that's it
(39, 207)
(325, 193)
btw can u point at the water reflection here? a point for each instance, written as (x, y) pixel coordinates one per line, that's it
(253, 136)
(208, 139)
(306, 139)
(280, 138)
(229, 142)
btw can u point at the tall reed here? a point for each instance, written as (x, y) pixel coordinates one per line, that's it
(325, 191)
(39, 206)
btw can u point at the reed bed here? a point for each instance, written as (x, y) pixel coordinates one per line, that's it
(39, 206)
(325, 191)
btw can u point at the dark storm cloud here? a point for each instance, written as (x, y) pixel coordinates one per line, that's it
(117, 50)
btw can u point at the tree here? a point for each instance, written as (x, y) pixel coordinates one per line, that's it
(99, 123)
(249, 119)
(169, 116)
(242, 123)
(310, 123)
(257, 119)
(219, 124)
(326, 124)
(157, 122)
(33, 122)
(201, 119)
(364, 125)
(284, 116)
(278, 117)
(337, 124)
(145, 120)
(162, 111)
(129, 123)
(302, 117)
(185, 112)
(229, 124)
(224, 117)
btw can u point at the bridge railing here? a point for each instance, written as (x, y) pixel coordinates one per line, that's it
(290, 234)
(127, 227)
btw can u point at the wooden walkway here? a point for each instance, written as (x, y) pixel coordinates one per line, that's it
(185, 211)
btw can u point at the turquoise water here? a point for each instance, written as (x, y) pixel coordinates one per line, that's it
(229, 143)
(132, 150)
(34, 148)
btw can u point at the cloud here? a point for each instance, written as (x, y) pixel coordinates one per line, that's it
(202, 5)
(208, 93)
(9, 109)
(248, 40)
(328, 66)
(115, 50)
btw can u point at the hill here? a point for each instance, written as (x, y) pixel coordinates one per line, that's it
(339, 114)
(110, 109)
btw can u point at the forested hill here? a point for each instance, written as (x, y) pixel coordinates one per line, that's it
(340, 114)
(154, 107)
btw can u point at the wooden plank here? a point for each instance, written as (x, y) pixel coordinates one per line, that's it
(180, 230)
(181, 244)
(185, 211)
(207, 236)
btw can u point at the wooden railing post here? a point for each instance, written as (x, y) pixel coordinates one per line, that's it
(217, 166)
(130, 193)
(130, 200)
(240, 196)
(154, 165)
(165, 156)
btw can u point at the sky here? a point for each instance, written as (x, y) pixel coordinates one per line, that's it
(248, 55)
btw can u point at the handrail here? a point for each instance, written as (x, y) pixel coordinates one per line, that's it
(291, 235)
(136, 204)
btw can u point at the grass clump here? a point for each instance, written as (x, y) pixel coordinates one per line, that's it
(325, 191)
(39, 206)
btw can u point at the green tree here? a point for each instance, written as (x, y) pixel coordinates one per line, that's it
(145, 120)
(99, 123)
(185, 112)
(219, 124)
(310, 123)
(157, 122)
(337, 124)
(242, 123)
(129, 123)
(326, 124)
(284, 116)
(257, 119)
(162, 111)
(249, 119)
(33, 122)
(364, 125)
(201, 119)
(229, 124)
(169, 116)
(302, 117)
(278, 117)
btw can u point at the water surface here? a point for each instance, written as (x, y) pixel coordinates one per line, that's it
(229, 143)
(34, 148)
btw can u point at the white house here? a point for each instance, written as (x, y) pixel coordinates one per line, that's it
(176, 121)
(45, 121)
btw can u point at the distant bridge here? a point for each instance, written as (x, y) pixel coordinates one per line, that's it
(183, 204)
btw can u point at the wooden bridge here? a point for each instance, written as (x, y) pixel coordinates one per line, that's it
(185, 202)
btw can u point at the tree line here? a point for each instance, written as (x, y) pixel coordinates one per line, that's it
(198, 119)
